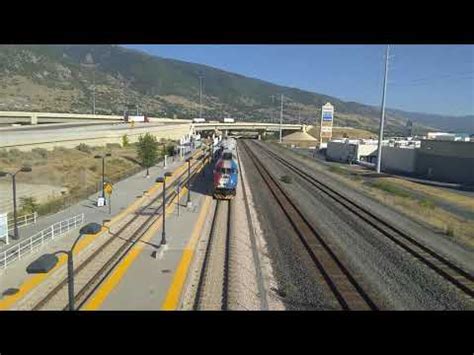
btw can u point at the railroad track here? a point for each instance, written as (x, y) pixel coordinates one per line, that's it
(89, 274)
(346, 289)
(212, 289)
(450, 272)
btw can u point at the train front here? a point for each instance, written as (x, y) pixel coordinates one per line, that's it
(225, 179)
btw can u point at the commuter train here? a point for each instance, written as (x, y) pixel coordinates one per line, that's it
(226, 171)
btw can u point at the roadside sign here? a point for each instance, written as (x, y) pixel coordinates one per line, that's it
(327, 118)
(108, 188)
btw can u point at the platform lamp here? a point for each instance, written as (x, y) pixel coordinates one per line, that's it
(47, 262)
(25, 169)
(103, 171)
(189, 202)
(162, 179)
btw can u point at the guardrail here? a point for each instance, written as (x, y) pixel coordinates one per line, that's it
(35, 242)
(22, 221)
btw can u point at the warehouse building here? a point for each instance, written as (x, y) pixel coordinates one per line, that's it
(450, 161)
(351, 151)
(440, 160)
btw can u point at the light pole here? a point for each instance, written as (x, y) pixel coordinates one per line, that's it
(188, 202)
(162, 179)
(91, 228)
(25, 169)
(103, 171)
(200, 95)
(281, 115)
(382, 117)
(93, 93)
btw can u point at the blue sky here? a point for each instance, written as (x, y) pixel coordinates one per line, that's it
(422, 78)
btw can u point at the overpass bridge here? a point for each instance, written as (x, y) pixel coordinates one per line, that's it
(260, 128)
(34, 118)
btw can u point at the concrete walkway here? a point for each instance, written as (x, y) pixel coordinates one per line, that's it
(125, 193)
(155, 277)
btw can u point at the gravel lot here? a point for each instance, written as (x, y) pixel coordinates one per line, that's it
(391, 276)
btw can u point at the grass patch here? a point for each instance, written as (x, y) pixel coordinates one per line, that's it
(390, 188)
(286, 179)
(338, 170)
(427, 204)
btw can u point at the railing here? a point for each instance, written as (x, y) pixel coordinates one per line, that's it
(22, 221)
(34, 243)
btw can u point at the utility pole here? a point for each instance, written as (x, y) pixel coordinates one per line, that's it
(200, 96)
(273, 108)
(281, 114)
(93, 93)
(382, 118)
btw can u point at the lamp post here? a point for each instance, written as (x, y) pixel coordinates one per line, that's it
(103, 171)
(162, 179)
(25, 169)
(51, 260)
(188, 201)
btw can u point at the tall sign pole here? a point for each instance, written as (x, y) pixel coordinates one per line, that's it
(281, 115)
(327, 118)
(382, 118)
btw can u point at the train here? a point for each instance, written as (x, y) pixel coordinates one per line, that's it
(226, 170)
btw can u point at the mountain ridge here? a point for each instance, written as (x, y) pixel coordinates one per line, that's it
(56, 77)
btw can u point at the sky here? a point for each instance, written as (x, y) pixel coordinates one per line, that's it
(421, 78)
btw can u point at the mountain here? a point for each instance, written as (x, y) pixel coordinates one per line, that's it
(455, 124)
(60, 78)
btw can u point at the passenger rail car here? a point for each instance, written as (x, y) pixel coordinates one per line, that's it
(225, 177)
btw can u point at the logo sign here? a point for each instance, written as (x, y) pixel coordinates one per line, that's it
(3, 225)
(327, 116)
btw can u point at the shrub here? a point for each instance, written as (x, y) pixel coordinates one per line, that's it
(28, 204)
(43, 153)
(84, 148)
(125, 141)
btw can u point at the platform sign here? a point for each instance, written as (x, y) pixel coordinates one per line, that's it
(327, 118)
(4, 226)
(108, 188)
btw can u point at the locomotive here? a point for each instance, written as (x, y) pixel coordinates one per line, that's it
(226, 172)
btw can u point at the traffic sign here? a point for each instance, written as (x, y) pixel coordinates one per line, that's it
(108, 188)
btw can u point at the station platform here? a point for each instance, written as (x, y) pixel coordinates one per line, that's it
(153, 276)
(16, 284)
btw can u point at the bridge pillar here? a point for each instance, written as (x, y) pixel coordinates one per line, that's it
(34, 119)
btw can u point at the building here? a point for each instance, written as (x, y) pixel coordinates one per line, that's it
(351, 150)
(440, 160)
(449, 161)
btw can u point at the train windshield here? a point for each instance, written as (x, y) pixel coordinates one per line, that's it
(227, 171)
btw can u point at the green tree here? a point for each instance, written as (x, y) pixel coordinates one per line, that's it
(147, 149)
(28, 204)
(125, 141)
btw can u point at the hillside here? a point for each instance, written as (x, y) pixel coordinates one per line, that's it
(60, 79)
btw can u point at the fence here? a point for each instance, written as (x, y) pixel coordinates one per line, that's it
(34, 243)
(22, 221)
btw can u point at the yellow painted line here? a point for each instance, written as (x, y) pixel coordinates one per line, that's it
(173, 295)
(34, 281)
(119, 272)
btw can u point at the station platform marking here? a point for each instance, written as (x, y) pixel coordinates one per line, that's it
(173, 295)
(121, 269)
